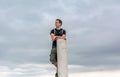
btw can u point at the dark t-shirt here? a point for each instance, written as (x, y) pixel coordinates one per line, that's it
(57, 33)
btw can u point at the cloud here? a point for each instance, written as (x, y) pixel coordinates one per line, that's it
(29, 70)
(90, 74)
(92, 32)
(44, 70)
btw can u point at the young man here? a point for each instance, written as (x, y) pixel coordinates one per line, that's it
(56, 33)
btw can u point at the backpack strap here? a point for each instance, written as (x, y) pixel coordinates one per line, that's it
(54, 31)
(62, 31)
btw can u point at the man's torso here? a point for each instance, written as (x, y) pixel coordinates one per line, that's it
(57, 33)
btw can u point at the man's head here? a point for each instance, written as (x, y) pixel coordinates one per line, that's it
(58, 23)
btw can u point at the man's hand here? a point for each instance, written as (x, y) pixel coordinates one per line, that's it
(60, 37)
(57, 37)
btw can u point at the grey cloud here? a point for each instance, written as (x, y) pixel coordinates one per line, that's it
(92, 31)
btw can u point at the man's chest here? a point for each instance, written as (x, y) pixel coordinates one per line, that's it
(58, 33)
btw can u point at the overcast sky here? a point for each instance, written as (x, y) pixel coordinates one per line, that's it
(93, 35)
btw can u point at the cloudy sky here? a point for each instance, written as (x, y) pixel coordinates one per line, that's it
(93, 37)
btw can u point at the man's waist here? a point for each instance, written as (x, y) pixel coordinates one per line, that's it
(54, 46)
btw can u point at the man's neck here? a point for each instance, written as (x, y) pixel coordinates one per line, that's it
(58, 28)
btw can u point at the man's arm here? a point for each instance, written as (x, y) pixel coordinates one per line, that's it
(53, 37)
(62, 37)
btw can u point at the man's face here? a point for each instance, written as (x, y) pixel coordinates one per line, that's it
(57, 24)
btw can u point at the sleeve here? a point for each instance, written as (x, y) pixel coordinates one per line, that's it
(64, 32)
(52, 31)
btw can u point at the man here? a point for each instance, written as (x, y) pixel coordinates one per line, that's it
(56, 33)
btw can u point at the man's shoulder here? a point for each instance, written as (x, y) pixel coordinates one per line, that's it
(52, 29)
(55, 29)
(63, 29)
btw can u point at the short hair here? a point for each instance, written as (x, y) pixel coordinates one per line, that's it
(60, 21)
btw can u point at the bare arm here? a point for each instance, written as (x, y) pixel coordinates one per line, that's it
(53, 37)
(62, 37)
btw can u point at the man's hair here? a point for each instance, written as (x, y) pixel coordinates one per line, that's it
(60, 21)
